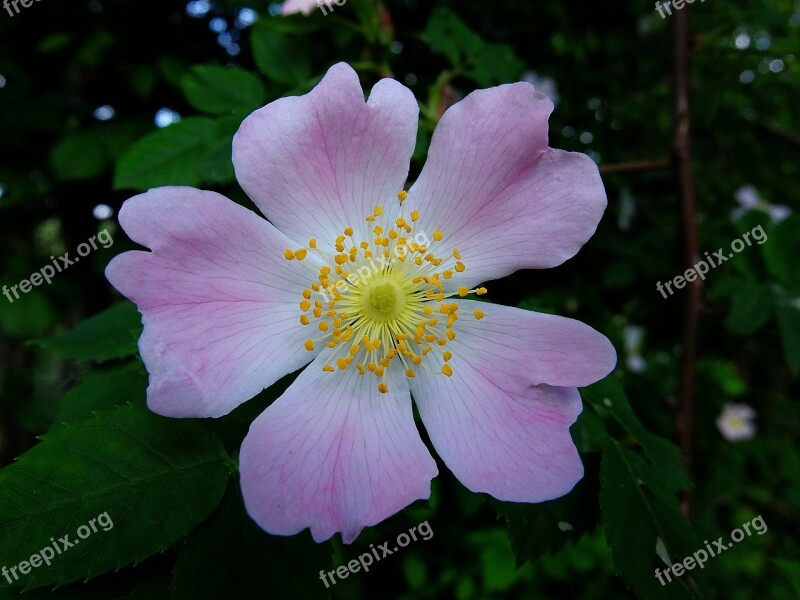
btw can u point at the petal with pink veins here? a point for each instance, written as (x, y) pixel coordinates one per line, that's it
(219, 302)
(501, 422)
(498, 193)
(319, 163)
(534, 347)
(335, 455)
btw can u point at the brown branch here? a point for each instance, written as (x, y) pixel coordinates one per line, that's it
(694, 298)
(637, 165)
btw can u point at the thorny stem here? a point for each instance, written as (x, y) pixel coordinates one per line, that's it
(694, 299)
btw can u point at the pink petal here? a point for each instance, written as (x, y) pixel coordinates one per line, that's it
(318, 163)
(219, 301)
(304, 6)
(499, 423)
(533, 347)
(499, 194)
(335, 455)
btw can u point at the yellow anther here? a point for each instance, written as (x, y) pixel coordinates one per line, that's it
(447, 355)
(438, 236)
(288, 254)
(481, 291)
(383, 388)
(414, 215)
(451, 335)
(307, 294)
(427, 310)
(447, 370)
(456, 254)
(312, 243)
(402, 196)
(379, 371)
(309, 345)
(463, 291)
(341, 259)
(342, 363)
(323, 326)
(410, 373)
(328, 369)
(325, 270)
(305, 305)
(416, 359)
(447, 274)
(348, 231)
(304, 319)
(378, 211)
(301, 253)
(360, 369)
(354, 349)
(460, 267)
(479, 314)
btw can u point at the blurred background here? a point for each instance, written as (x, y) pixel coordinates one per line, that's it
(101, 99)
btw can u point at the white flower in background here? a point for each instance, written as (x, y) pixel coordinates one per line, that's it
(748, 199)
(736, 422)
(544, 84)
(634, 335)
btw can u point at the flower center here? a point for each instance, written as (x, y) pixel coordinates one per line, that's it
(383, 300)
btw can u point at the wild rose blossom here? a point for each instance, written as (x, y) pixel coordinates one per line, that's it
(367, 283)
(737, 422)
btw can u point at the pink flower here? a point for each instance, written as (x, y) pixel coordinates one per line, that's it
(306, 7)
(232, 302)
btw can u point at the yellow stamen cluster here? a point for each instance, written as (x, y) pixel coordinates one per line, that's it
(382, 299)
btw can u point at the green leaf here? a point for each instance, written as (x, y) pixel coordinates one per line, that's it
(105, 390)
(114, 333)
(782, 249)
(789, 325)
(282, 58)
(168, 156)
(89, 153)
(535, 529)
(220, 90)
(156, 479)
(751, 307)
(638, 510)
(486, 64)
(218, 163)
(147, 581)
(609, 400)
(449, 35)
(231, 557)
